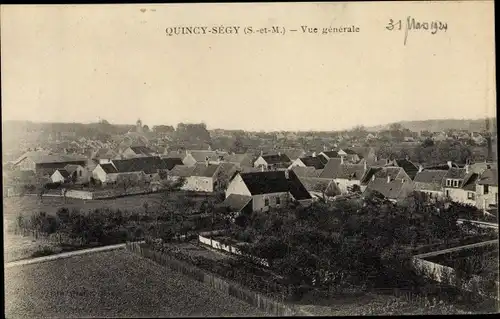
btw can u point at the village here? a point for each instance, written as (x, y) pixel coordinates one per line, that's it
(202, 201)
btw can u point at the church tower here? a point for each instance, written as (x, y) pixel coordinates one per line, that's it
(139, 126)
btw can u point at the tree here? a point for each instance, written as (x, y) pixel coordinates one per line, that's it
(145, 128)
(126, 181)
(238, 146)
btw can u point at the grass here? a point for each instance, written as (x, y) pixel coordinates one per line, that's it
(111, 284)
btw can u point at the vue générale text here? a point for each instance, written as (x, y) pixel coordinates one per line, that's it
(236, 30)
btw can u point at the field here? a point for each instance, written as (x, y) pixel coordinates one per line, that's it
(19, 247)
(111, 284)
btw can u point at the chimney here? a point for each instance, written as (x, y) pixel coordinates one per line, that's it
(341, 159)
(206, 161)
(325, 148)
(287, 174)
(279, 153)
(407, 158)
(314, 154)
(261, 152)
(402, 181)
(388, 178)
(449, 164)
(376, 158)
(420, 168)
(365, 166)
(466, 168)
(373, 177)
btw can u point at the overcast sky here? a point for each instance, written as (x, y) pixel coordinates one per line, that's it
(79, 63)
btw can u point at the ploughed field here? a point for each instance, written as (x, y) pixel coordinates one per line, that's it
(111, 284)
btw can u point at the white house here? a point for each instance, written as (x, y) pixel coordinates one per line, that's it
(60, 176)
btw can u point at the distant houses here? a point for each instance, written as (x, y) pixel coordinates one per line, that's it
(273, 162)
(44, 163)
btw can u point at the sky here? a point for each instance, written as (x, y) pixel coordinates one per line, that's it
(80, 63)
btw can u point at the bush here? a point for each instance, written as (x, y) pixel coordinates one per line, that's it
(44, 251)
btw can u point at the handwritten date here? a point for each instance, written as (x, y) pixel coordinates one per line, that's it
(411, 24)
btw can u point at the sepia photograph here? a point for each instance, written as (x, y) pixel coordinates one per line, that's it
(249, 159)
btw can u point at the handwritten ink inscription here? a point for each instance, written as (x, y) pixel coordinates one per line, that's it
(433, 27)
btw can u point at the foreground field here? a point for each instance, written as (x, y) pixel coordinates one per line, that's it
(111, 284)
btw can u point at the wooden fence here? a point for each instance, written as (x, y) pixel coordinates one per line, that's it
(228, 287)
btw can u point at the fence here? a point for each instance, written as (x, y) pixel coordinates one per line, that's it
(228, 287)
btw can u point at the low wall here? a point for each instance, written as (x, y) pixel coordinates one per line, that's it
(226, 286)
(230, 249)
(448, 275)
(79, 194)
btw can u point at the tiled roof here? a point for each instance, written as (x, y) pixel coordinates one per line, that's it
(332, 168)
(489, 177)
(331, 154)
(318, 162)
(203, 170)
(456, 173)
(169, 163)
(313, 184)
(470, 182)
(390, 190)
(238, 158)
(43, 157)
(64, 173)
(292, 153)
(143, 150)
(181, 171)
(71, 167)
(175, 154)
(430, 180)
(307, 171)
(148, 165)
(276, 158)
(108, 168)
(410, 168)
(200, 156)
(236, 202)
(351, 171)
(275, 182)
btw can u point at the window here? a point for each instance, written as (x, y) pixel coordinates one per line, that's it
(448, 182)
(486, 189)
(447, 193)
(471, 196)
(278, 200)
(266, 201)
(80, 173)
(455, 183)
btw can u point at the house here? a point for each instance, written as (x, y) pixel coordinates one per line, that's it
(171, 162)
(430, 182)
(179, 171)
(60, 176)
(345, 174)
(273, 161)
(103, 155)
(241, 160)
(349, 155)
(410, 168)
(105, 173)
(320, 188)
(78, 173)
(317, 162)
(460, 185)
(45, 163)
(209, 177)
(308, 171)
(238, 204)
(174, 154)
(269, 189)
(150, 166)
(330, 154)
(487, 189)
(137, 151)
(390, 181)
(213, 157)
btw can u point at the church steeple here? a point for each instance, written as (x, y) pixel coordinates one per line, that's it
(139, 126)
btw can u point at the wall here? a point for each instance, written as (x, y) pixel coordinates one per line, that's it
(272, 307)
(99, 174)
(298, 163)
(258, 201)
(230, 249)
(57, 177)
(343, 183)
(260, 162)
(484, 200)
(199, 184)
(459, 195)
(27, 165)
(237, 186)
(79, 194)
